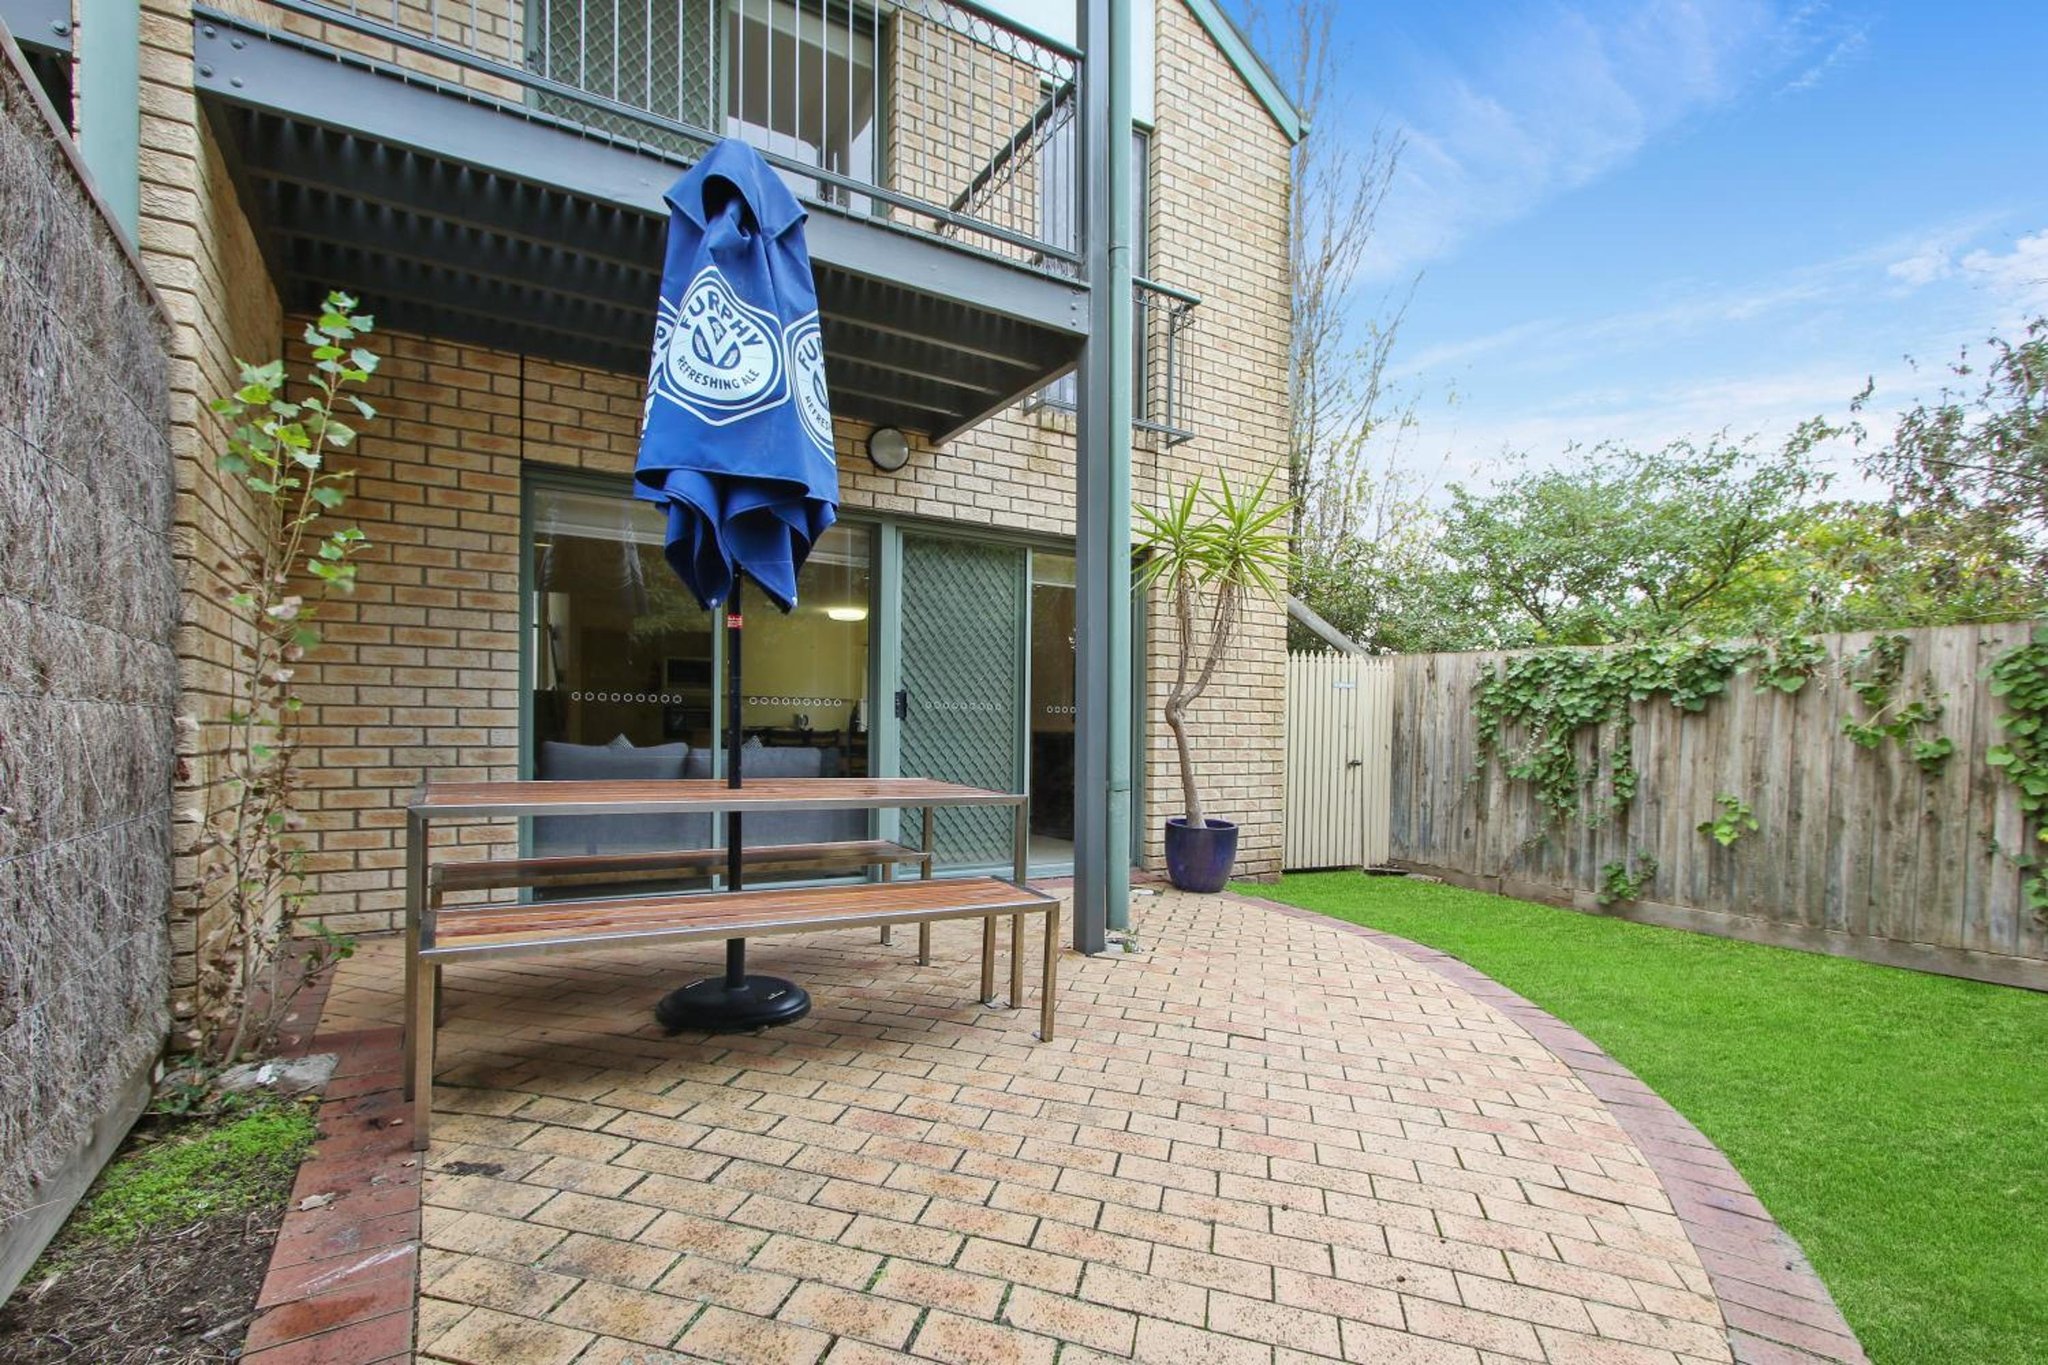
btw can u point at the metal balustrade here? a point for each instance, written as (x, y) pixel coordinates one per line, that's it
(1161, 315)
(937, 115)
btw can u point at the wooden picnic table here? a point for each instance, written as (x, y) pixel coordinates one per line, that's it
(559, 925)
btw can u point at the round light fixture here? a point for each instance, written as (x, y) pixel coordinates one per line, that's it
(847, 613)
(888, 449)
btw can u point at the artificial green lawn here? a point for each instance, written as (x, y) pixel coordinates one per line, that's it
(1895, 1123)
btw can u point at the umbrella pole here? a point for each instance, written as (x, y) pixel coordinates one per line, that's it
(737, 1002)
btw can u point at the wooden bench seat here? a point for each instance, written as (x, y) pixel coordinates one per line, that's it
(512, 929)
(497, 874)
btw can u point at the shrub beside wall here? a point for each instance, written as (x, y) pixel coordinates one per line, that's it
(88, 678)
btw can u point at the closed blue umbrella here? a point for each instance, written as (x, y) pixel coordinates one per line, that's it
(736, 446)
(736, 443)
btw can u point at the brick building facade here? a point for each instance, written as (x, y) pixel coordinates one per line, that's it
(423, 675)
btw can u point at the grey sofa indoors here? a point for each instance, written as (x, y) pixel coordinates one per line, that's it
(573, 835)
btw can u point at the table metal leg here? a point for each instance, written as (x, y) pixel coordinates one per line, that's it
(888, 875)
(988, 959)
(415, 900)
(1048, 986)
(924, 931)
(420, 1061)
(1017, 961)
(1020, 858)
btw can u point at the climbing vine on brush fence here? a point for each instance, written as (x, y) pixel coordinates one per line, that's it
(2020, 676)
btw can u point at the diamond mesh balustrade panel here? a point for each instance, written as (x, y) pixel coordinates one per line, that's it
(963, 668)
(661, 57)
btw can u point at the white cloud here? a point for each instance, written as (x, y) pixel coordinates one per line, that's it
(2017, 279)
(1567, 94)
(1749, 358)
(1804, 295)
(1847, 49)
(1935, 261)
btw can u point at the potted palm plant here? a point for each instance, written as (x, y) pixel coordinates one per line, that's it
(1208, 552)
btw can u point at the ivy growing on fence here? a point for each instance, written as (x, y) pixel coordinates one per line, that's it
(1874, 676)
(2020, 675)
(1555, 696)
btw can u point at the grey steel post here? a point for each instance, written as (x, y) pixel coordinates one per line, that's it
(109, 51)
(1102, 728)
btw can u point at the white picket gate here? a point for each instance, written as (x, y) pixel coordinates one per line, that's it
(1340, 760)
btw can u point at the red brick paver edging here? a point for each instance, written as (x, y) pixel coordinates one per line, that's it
(344, 1273)
(1777, 1308)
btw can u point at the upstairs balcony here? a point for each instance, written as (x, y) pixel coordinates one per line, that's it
(492, 170)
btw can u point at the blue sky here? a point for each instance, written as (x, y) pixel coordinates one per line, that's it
(1645, 219)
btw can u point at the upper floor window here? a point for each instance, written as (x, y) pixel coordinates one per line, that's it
(801, 81)
(1059, 225)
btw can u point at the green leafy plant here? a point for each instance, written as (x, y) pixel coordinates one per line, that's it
(1626, 880)
(1734, 820)
(1874, 676)
(280, 449)
(1554, 698)
(1792, 661)
(222, 1170)
(1209, 552)
(2020, 676)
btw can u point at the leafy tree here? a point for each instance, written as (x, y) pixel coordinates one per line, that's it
(1209, 552)
(1979, 454)
(1631, 545)
(1884, 566)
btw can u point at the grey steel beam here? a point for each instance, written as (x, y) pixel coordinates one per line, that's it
(972, 419)
(281, 147)
(243, 65)
(1024, 368)
(38, 25)
(315, 214)
(629, 328)
(909, 378)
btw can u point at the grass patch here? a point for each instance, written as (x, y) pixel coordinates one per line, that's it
(225, 1168)
(1895, 1123)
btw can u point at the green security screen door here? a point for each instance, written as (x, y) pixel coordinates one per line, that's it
(963, 683)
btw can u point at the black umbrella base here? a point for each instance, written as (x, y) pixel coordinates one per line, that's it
(711, 1006)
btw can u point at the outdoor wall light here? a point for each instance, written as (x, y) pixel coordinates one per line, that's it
(847, 613)
(888, 449)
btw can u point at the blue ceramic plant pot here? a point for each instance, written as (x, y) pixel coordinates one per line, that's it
(1200, 859)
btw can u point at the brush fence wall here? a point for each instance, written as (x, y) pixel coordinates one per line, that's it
(88, 679)
(1860, 853)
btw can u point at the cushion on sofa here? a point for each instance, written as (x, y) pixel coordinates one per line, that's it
(569, 835)
(779, 827)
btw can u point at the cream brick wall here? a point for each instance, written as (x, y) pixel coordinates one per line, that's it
(1220, 177)
(196, 243)
(419, 676)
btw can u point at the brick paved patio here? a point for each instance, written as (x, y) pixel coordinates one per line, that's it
(1266, 1138)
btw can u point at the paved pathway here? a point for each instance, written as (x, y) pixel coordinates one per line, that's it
(1267, 1138)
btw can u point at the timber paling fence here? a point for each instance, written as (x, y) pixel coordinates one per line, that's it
(1858, 851)
(88, 680)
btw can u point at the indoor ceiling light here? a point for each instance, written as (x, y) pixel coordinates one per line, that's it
(847, 613)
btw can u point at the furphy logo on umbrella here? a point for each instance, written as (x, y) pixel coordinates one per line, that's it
(716, 354)
(806, 349)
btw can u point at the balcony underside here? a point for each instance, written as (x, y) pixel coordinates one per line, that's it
(465, 218)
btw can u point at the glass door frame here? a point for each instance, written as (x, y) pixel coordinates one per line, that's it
(885, 645)
(885, 730)
(537, 477)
